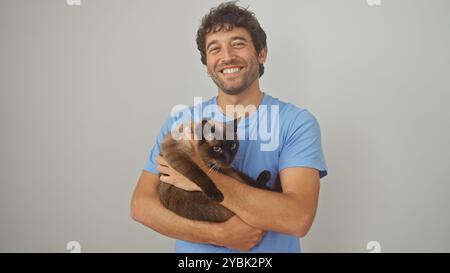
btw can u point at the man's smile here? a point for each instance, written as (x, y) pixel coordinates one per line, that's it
(231, 71)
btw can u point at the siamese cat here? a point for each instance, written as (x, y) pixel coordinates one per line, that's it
(218, 153)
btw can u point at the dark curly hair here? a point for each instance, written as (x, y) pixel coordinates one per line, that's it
(229, 15)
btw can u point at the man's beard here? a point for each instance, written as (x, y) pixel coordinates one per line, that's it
(250, 75)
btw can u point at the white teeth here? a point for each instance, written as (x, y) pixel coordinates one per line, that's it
(231, 70)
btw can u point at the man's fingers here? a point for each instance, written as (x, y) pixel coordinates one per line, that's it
(165, 178)
(163, 169)
(161, 161)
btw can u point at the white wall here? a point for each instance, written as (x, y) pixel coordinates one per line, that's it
(84, 90)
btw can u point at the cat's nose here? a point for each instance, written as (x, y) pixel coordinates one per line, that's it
(228, 158)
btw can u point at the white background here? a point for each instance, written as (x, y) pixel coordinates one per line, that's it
(85, 89)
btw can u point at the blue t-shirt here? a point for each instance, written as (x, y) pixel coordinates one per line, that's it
(278, 135)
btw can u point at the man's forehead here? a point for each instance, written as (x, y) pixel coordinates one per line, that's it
(225, 34)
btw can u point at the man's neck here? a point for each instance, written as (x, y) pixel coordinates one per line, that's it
(249, 97)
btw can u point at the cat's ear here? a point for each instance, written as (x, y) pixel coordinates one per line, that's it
(205, 129)
(209, 130)
(204, 122)
(183, 132)
(198, 130)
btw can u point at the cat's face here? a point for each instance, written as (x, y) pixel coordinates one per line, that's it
(215, 149)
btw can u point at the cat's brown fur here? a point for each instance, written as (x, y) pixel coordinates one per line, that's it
(201, 205)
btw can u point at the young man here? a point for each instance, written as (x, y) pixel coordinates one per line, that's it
(233, 48)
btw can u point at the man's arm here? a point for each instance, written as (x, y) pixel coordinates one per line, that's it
(291, 211)
(147, 209)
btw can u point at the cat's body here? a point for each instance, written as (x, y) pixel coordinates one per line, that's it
(203, 205)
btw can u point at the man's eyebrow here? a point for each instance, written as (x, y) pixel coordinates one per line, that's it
(239, 38)
(211, 43)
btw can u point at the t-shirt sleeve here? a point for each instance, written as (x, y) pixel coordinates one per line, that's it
(150, 164)
(302, 146)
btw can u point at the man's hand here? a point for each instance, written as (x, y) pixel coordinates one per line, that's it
(171, 176)
(233, 233)
(236, 234)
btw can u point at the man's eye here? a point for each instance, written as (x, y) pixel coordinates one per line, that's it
(213, 50)
(238, 45)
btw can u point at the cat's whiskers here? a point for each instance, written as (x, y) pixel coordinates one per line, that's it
(210, 170)
(216, 167)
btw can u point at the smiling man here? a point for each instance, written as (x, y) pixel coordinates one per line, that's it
(232, 73)
(233, 47)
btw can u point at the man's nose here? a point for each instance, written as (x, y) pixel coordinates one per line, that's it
(227, 54)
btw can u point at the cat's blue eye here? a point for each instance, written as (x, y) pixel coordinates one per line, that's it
(217, 149)
(233, 146)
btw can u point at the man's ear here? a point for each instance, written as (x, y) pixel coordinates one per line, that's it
(262, 55)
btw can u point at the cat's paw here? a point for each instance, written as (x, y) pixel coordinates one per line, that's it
(263, 177)
(215, 195)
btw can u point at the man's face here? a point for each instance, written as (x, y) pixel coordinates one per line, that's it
(231, 59)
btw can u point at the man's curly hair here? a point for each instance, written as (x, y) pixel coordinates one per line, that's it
(228, 15)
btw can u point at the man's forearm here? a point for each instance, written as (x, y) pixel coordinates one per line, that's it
(151, 213)
(281, 212)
